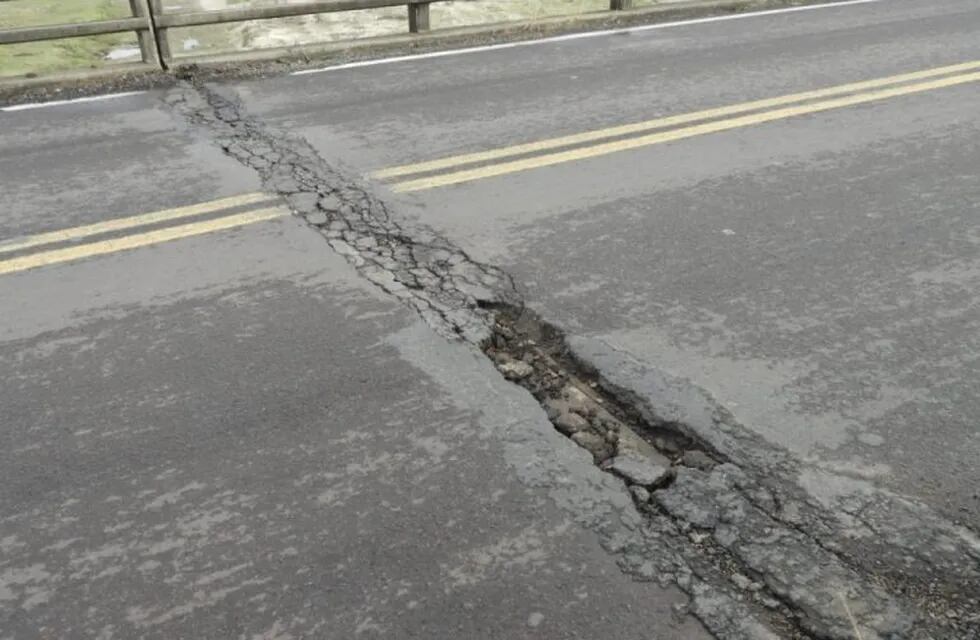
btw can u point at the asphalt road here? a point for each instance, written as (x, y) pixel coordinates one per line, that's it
(232, 434)
(815, 274)
(217, 425)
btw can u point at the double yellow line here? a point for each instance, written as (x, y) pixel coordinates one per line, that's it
(51, 256)
(496, 162)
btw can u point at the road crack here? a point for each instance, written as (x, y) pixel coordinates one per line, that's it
(716, 523)
(447, 287)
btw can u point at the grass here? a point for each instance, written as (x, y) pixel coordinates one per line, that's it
(53, 55)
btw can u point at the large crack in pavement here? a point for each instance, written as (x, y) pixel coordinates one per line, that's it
(445, 285)
(724, 517)
(899, 544)
(738, 518)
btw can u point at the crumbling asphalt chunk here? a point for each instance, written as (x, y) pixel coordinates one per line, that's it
(513, 369)
(759, 559)
(639, 471)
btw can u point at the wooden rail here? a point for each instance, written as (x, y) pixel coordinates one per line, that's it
(151, 22)
(418, 15)
(57, 31)
(141, 22)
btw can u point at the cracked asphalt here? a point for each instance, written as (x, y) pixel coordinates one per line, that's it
(751, 355)
(237, 435)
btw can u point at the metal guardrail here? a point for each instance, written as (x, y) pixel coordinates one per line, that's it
(151, 22)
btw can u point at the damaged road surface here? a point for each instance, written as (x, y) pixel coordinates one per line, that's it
(730, 534)
(235, 434)
(400, 352)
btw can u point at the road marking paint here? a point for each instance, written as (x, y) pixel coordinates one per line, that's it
(579, 36)
(597, 134)
(134, 241)
(58, 103)
(119, 224)
(675, 134)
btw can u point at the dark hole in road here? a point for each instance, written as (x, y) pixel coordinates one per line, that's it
(585, 408)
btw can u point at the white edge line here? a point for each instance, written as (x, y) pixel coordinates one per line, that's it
(579, 36)
(56, 103)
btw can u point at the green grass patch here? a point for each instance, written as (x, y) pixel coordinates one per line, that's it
(54, 55)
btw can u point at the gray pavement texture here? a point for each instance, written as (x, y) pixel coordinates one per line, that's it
(237, 436)
(814, 274)
(287, 431)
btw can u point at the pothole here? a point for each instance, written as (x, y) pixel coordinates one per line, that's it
(533, 354)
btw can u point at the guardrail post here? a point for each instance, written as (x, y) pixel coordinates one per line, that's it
(418, 17)
(160, 33)
(619, 5)
(144, 36)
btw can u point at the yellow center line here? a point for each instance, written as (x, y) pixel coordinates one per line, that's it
(119, 224)
(134, 241)
(673, 134)
(658, 123)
